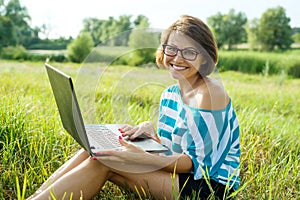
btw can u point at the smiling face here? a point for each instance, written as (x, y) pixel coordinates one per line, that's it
(188, 32)
(179, 67)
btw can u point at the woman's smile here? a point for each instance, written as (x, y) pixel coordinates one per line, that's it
(178, 68)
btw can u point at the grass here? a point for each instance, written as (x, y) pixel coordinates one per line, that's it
(255, 62)
(34, 144)
(269, 116)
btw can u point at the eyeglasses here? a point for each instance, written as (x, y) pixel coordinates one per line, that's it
(186, 53)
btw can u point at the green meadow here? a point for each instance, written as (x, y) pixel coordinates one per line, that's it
(34, 144)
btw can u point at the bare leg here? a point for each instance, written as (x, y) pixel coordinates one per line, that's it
(78, 158)
(157, 184)
(87, 179)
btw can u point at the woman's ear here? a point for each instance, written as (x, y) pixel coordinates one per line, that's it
(207, 66)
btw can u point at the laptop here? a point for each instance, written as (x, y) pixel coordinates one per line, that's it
(92, 137)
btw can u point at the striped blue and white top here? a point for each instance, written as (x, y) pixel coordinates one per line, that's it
(209, 137)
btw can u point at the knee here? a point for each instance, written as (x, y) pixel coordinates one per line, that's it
(92, 164)
(82, 152)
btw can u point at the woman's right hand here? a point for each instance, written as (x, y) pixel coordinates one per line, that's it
(142, 130)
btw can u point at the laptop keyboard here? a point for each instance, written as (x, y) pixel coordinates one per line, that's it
(102, 137)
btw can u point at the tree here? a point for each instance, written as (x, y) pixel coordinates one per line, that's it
(14, 24)
(274, 29)
(121, 31)
(7, 32)
(144, 43)
(228, 28)
(79, 49)
(113, 32)
(252, 33)
(93, 26)
(20, 18)
(107, 31)
(2, 7)
(141, 22)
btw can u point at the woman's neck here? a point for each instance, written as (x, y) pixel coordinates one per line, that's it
(188, 85)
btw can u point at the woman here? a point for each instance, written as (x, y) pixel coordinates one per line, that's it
(196, 121)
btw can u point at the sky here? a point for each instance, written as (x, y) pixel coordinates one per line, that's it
(65, 17)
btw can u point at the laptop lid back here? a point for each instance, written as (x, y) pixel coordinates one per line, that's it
(64, 94)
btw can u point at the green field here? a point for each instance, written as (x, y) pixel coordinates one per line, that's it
(34, 144)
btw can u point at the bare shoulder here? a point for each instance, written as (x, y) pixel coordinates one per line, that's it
(213, 95)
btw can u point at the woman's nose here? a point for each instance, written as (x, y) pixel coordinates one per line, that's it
(178, 56)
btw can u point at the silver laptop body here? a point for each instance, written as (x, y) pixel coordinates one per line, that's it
(92, 137)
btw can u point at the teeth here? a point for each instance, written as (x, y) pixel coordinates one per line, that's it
(178, 67)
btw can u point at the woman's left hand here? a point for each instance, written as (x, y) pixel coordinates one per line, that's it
(144, 129)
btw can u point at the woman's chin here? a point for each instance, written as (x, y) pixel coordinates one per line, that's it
(176, 75)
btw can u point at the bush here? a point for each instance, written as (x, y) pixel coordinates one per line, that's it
(137, 58)
(79, 49)
(43, 57)
(294, 69)
(48, 46)
(20, 53)
(14, 53)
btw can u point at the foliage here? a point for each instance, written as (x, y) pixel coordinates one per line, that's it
(144, 43)
(102, 30)
(274, 29)
(295, 30)
(7, 32)
(243, 61)
(141, 21)
(296, 37)
(34, 144)
(20, 53)
(46, 57)
(50, 44)
(271, 31)
(229, 29)
(141, 49)
(252, 34)
(14, 26)
(80, 47)
(14, 53)
(256, 62)
(16, 31)
(113, 32)
(92, 25)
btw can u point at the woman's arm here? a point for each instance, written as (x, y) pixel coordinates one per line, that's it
(133, 155)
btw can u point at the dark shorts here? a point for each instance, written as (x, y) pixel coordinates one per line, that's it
(199, 188)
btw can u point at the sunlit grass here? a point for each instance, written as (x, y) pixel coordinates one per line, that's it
(269, 116)
(34, 144)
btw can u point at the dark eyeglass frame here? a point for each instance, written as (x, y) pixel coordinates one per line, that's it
(181, 50)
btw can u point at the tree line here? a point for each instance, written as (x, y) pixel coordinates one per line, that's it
(15, 29)
(270, 32)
